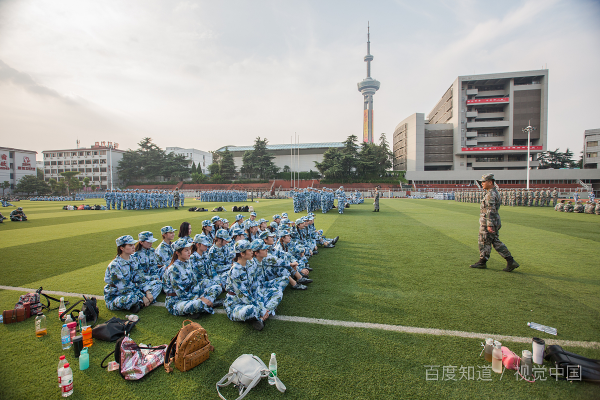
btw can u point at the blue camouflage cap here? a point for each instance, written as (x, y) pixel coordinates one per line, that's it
(320, 231)
(241, 246)
(238, 217)
(274, 225)
(309, 218)
(284, 215)
(253, 214)
(284, 232)
(276, 216)
(237, 232)
(252, 224)
(223, 234)
(206, 222)
(181, 243)
(146, 236)
(258, 244)
(127, 239)
(215, 219)
(260, 221)
(311, 214)
(285, 221)
(299, 221)
(265, 234)
(202, 239)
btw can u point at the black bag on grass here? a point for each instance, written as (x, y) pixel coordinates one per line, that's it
(89, 308)
(571, 366)
(113, 329)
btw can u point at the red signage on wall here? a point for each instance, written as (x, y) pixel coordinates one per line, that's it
(500, 148)
(488, 101)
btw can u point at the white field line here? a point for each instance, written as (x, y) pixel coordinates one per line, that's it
(368, 325)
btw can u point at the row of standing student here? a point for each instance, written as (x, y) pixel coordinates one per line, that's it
(252, 268)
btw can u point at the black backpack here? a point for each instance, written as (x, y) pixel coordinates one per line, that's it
(571, 366)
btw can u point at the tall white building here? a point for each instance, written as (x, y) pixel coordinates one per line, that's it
(478, 125)
(591, 149)
(202, 158)
(15, 164)
(98, 162)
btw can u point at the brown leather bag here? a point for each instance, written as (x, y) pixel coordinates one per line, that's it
(188, 348)
(16, 315)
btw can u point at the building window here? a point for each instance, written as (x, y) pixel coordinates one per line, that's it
(52, 162)
(59, 162)
(67, 162)
(73, 154)
(102, 161)
(102, 152)
(489, 159)
(88, 161)
(95, 161)
(88, 153)
(61, 170)
(80, 153)
(591, 155)
(47, 171)
(46, 162)
(592, 144)
(95, 153)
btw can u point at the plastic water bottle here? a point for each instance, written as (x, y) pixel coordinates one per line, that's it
(62, 360)
(497, 358)
(66, 381)
(65, 337)
(84, 359)
(40, 325)
(81, 322)
(272, 369)
(62, 308)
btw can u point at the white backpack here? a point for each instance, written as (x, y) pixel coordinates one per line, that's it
(245, 373)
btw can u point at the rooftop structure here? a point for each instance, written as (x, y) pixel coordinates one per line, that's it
(368, 87)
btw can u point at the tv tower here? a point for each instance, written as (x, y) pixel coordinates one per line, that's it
(368, 87)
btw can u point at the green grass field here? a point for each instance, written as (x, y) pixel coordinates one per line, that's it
(407, 265)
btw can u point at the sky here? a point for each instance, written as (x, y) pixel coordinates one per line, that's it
(206, 74)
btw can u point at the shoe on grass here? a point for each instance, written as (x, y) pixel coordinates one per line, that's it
(217, 303)
(335, 240)
(511, 265)
(304, 280)
(309, 269)
(481, 264)
(298, 286)
(258, 324)
(135, 309)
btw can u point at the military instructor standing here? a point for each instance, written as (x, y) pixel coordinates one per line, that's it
(489, 225)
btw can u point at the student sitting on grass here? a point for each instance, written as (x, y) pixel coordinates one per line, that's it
(272, 279)
(164, 251)
(199, 259)
(149, 271)
(18, 215)
(122, 290)
(244, 301)
(219, 256)
(185, 294)
(284, 260)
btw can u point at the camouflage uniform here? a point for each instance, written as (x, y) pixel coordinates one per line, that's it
(220, 257)
(489, 217)
(149, 271)
(554, 197)
(122, 290)
(184, 290)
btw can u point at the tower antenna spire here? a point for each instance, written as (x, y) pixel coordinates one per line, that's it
(368, 87)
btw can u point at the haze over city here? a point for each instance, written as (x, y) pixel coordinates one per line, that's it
(209, 74)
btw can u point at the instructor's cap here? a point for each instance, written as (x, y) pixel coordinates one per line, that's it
(487, 177)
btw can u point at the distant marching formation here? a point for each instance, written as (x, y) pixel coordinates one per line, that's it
(223, 195)
(311, 199)
(141, 199)
(513, 197)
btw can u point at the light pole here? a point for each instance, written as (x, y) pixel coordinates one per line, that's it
(110, 146)
(528, 130)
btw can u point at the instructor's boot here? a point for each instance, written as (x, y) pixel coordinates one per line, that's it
(511, 264)
(481, 264)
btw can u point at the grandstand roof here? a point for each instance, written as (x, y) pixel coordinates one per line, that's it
(286, 146)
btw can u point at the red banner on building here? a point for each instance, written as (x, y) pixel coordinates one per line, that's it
(500, 148)
(488, 101)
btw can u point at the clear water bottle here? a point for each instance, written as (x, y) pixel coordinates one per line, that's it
(81, 322)
(272, 369)
(65, 337)
(497, 358)
(40, 325)
(66, 381)
(62, 360)
(62, 308)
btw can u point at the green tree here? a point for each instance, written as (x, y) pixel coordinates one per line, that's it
(93, 188)
(227, 165)
(31, 184)
(193, 170)
(52, 182)
(40, 173)
(198, 177)
(214, 169)
(70, 181)
(556, 159)
(4, 185)
(331, 166)
(86, 182)
(349, 156)
(286, 169)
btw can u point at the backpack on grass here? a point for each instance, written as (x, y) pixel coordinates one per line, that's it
(188, 348)
(135, 361)
(571, 366)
